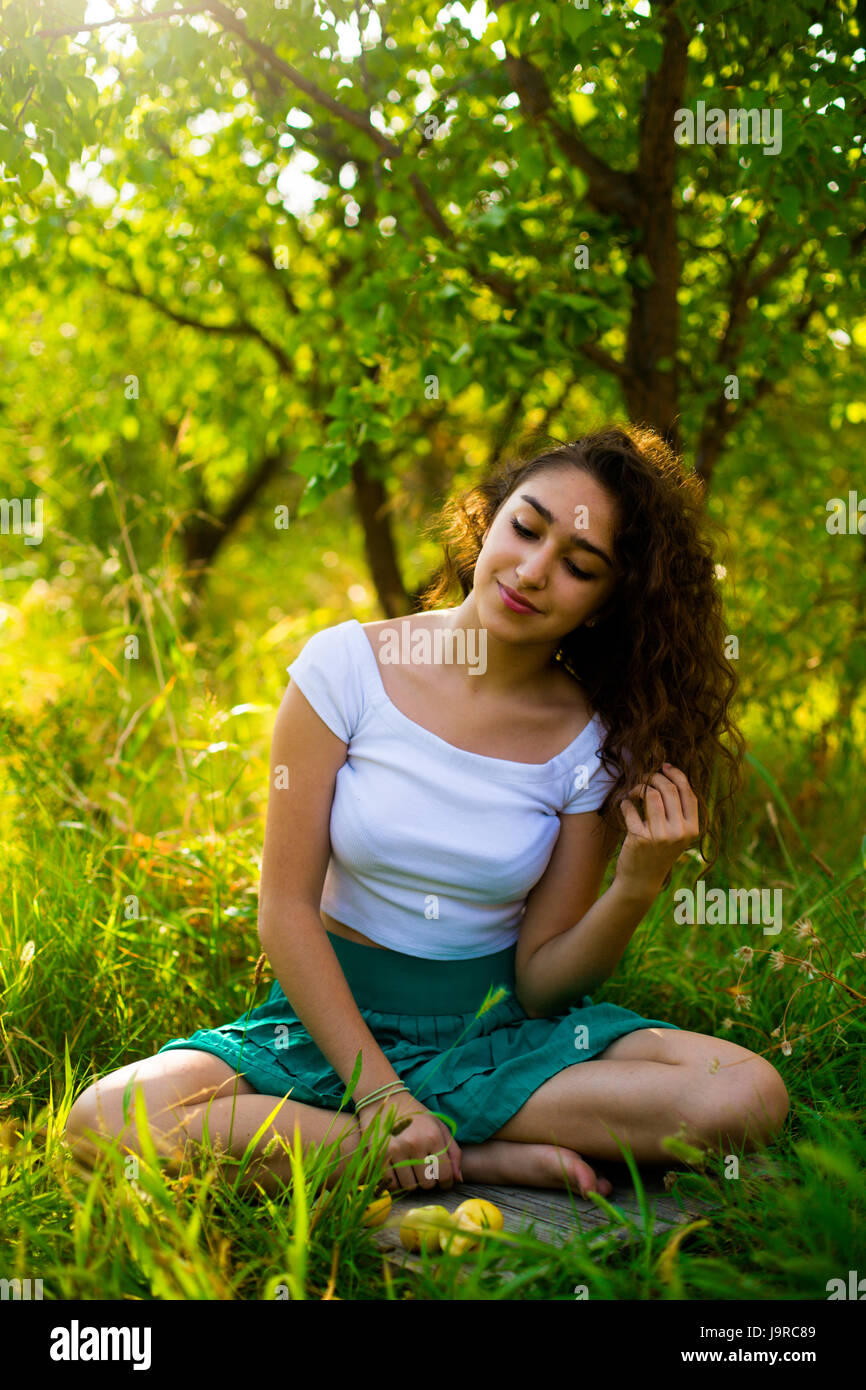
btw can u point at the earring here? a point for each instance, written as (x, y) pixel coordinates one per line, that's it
(590, 622)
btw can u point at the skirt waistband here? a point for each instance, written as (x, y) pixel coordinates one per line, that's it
(393, 983)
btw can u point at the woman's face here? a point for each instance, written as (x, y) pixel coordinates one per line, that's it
(551, 546)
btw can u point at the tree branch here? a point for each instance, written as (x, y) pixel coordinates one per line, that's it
(499, 284)
(119, 19)
(610, 190)
(597, 355)
(722, 414)
(239, 329)
(264, 255)
(359, 120)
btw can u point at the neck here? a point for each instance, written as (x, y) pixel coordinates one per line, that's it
(510, 667)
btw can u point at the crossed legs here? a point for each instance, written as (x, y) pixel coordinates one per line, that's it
(649, 1084)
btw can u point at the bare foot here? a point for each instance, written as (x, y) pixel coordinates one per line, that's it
(533, 1165)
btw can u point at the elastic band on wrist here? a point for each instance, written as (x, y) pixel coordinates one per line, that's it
(373, 1098)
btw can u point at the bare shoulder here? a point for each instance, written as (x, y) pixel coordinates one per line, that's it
(379, 624)
(429, 618)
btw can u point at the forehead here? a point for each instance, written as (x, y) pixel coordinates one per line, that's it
(566, 491)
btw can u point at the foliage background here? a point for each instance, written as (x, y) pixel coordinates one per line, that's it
(319, 264)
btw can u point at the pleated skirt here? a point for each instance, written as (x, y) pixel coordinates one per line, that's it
(452, 1030)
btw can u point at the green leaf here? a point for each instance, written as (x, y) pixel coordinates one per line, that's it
(82, 88)
(15, 20)
(578, 301)
(53, 91)
(788, 203)
(308, 463)
(648, 52)
(353, 1080)
(11, 144)
(492, 217)
(576, 21)
(640, 272)
(31, 175)
(582, 107)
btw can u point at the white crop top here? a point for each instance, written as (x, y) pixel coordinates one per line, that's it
(433, 849)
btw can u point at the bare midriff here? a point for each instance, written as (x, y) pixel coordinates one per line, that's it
(348, 933)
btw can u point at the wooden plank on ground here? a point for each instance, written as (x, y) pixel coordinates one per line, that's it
(552, 1215)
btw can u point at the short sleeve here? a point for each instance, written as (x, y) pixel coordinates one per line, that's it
(327, 674)
(589, 781)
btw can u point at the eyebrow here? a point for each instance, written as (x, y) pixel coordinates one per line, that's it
(578, 540)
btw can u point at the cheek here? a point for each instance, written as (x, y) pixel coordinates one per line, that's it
(487, 557)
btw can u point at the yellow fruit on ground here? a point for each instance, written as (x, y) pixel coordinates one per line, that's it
(471, 1218)
(461, 1235)
(377, 1211)
(483, 1213)
(419, 1229)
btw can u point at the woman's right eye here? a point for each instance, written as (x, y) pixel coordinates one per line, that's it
(521, 530)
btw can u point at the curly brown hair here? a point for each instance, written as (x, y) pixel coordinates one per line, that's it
(653, 667)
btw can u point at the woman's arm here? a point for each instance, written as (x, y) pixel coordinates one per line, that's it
(569, 942)
(570, 939)
(573, 961)
(305, 759)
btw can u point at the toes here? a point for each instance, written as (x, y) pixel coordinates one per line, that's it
(586, 1178)
(589, 1182)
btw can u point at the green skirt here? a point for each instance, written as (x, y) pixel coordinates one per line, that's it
(452, 1030)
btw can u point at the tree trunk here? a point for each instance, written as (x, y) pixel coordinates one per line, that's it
(652, 392)
(371, 500)
(204, 533)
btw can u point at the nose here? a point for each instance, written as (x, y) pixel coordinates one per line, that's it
(532, 570)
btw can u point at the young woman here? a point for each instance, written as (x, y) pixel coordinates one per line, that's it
(437, 834)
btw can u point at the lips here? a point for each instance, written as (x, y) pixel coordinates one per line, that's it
(515, 601)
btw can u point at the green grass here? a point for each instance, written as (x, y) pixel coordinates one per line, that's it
(82, 984)
(132, 833)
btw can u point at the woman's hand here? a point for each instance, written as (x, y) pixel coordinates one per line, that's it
(423, 1139)
(652, 847)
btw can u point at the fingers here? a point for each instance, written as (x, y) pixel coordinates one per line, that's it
(440, 1168)
(408, 1176)
(450, 1171)
(688, 800)
(670, 806)
(446, 1173)
(661, 806)
(409, 1166)
(456, 1159)
(631, 817)
(418, 1173)
(403, 1172)
(664, 810)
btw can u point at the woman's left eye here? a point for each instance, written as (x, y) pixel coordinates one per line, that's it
(522, 531)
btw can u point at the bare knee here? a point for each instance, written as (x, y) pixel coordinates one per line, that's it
(168, 1082)
(82, 1116)
(96, 1116)
(747, 1107)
